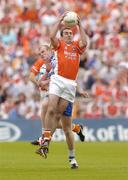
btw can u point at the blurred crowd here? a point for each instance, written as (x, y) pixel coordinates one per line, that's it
(103, 72)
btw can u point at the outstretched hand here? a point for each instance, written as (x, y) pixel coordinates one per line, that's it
(61, 17)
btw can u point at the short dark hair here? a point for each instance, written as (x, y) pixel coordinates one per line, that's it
(62, 30)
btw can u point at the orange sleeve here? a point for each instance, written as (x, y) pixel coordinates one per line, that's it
(36, 66)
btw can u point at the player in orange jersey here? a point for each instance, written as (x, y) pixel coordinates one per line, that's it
(63, 84)
(39, 69)
(35, 70)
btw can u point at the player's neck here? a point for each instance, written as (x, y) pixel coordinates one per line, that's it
(68, 42)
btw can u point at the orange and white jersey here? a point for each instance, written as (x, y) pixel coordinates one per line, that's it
(36, 66)
(67, 59)
(39, 67)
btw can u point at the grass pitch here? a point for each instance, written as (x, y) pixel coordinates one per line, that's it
(97, 161)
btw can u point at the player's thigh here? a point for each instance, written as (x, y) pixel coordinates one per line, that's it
(63, 103)
(44, 103)
(53, 101)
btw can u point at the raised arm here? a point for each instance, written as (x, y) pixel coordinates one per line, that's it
(54, 40)
(84, 42)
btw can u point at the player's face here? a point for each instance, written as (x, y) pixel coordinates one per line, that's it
(67, 35)
(44, 53)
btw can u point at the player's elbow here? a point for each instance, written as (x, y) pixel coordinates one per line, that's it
(52, 37)
(31, 76)
(84, 44)
(52, 40)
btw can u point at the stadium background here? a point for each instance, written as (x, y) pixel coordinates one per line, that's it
(25, 24)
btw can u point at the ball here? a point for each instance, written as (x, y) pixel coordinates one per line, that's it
(71, 19)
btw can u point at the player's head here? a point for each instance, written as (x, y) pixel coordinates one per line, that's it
(45, 52)
(67, 34)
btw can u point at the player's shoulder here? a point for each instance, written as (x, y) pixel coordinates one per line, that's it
(40, 61)
(37, 65)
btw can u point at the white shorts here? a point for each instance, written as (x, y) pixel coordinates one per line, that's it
(63, 87)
